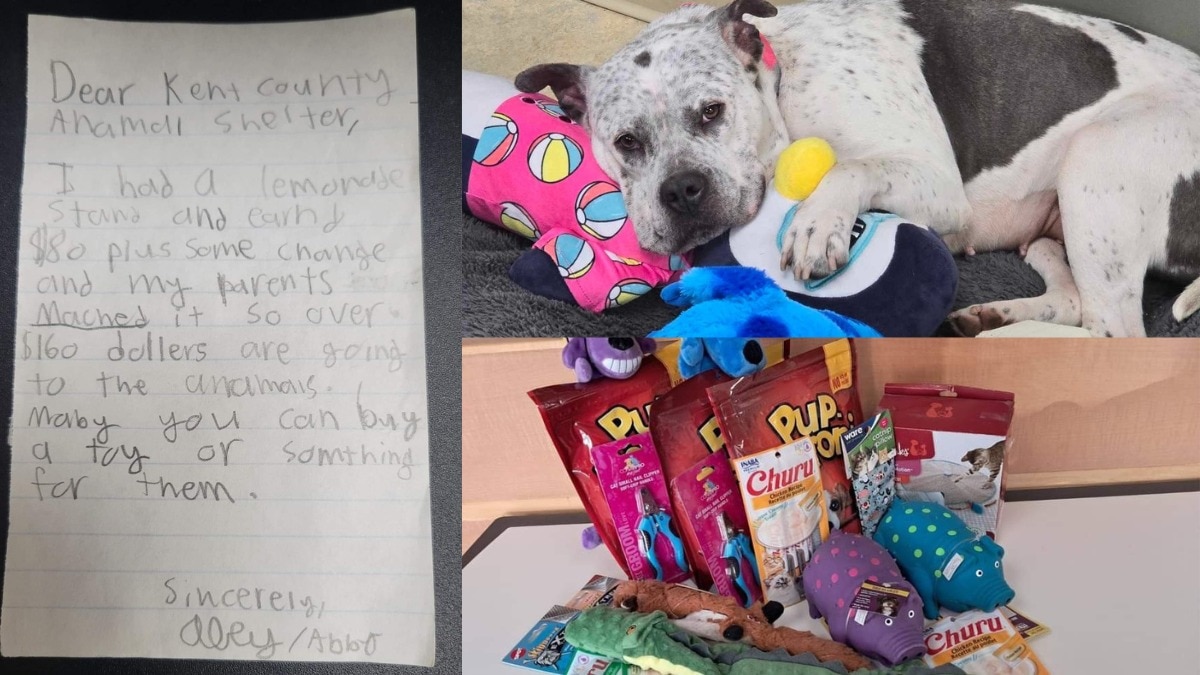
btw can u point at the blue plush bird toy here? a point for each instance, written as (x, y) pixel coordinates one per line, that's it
(744, 302)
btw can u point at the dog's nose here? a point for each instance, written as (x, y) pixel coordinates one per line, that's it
(683, 191)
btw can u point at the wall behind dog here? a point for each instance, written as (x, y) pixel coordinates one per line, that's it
(1087, 412)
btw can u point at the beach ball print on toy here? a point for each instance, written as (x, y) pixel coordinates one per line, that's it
(551, 108)
(553, 157)
(573, 256)
(496, 141)
(626, 291)
(516, 219)
(600, 210)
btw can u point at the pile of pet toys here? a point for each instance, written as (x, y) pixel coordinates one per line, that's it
(752, 471)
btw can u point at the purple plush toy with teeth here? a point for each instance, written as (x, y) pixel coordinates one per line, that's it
(616, 358)
(883, 620)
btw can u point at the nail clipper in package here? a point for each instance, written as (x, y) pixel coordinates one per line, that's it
(631, 479)
(981, 643)
(712, 507)
(785, 508)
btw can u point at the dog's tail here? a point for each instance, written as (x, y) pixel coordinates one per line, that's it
(1188, 301)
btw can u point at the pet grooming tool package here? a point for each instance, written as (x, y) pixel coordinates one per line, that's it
(711, 508)
(631, 479)
(952, 444)
(582, 416)
(980, 643)
(870, 454)
(685, 431)
(785, 508)
(812, 395)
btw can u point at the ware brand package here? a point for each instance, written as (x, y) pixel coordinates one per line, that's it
(981, 643)
(785, 508)
(870, 454)
(812, 395)
(711, 509)
(632, 481)
(953, 443)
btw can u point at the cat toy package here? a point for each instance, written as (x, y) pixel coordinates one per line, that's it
(813, 395)
(582, 416)
(870, 453)
(952, 443)
(785, 508)
(631, 479)
(711, 508)
(980, 643)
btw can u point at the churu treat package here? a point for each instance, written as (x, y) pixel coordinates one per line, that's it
(785, 509)
(685, 431)
(711, 509)
(953, 444)
(812, 395)
(631, 479)
(581, 416)
(981, 643)
(869, 451)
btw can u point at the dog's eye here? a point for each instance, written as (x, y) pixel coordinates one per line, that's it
(628, 143)
(711, 112)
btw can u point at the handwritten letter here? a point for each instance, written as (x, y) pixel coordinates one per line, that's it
(219, 429)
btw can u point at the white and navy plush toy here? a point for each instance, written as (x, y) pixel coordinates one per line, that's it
(901, 278)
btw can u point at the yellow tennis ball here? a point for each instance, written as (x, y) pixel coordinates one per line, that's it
(801, 167)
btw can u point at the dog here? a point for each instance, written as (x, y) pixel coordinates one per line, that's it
(999, 125)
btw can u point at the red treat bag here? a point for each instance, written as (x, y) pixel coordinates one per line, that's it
(711, 510)
(685, 431)
(631, 479)
(581, 416)
(812, 395)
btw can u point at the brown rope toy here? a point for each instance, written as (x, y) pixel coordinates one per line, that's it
(752, 625)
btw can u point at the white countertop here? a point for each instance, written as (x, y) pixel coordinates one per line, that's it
(1117, 580)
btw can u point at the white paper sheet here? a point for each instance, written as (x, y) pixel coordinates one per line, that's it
(219, 428)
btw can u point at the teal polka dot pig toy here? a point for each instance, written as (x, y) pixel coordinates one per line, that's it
(943, 559)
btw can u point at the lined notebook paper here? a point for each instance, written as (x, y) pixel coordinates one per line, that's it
(219, 428)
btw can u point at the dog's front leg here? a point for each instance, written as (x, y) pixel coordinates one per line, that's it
(818, 241)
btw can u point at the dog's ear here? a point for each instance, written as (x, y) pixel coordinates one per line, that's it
(740, 35)
(566, 80)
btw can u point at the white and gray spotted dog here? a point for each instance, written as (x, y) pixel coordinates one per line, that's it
(1002, 126)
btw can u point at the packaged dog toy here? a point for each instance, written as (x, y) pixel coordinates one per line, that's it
(711, 509)
(545, 648)
(785, 508)
(870, 454)
(981, 643)
(812, 395)
(685, 431)
(632, 481)
(953, 442)
(581, 416)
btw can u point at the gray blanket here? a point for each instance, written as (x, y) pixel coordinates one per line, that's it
(493, 306)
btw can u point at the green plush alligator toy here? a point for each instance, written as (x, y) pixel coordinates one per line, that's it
(653, 642)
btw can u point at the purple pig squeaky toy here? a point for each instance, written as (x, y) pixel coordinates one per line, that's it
(856, 585)
(616, 358)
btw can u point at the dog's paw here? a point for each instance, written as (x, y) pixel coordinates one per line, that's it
(818, 241)
(973, 320)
